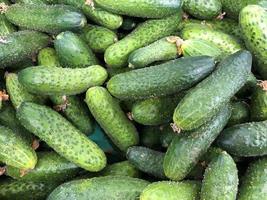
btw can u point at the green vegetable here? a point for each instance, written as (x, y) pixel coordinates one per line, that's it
(150, 136)
(259, 103)
(240, 113)
(47, 57)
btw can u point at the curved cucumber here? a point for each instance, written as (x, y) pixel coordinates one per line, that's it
(240, 113)
(150, 82)
(259, 104)
(62, 136)
(111, 118)
(214, 92)
(47, 57)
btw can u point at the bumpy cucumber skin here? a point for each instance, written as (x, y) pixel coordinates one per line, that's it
(61, 81)
(245, 140)
(259, 104)
(161, 80)
(253, 22)
(46, 18)
(214, 92)
(117, 54)
(107, 112)
(108, 187)
(21, 45)
(47, 57)
(73, 52)
(15, 151)
(187, 190)
(254, 182)
(150, 136)
(240, 113)
(62, 136)
(185, 151)
(203, 9)
(220, 179)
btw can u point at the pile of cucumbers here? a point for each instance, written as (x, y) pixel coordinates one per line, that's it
(133, 99)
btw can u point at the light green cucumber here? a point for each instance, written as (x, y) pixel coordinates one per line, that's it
(259, 103)
(47, 57)
(240, 113)
(5, 26)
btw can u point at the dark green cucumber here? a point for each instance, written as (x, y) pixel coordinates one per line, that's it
(145, 8)
(46, 18)
(220, 179)
(114, 71)
(249, 139)
(150, 82)
(185, 151)
(253, 186)
(150, 136)
(249, 87)
(128, 24)
(108, 113)
(259, 104)
(5, 26)
(61, 81)
(47, 57)
(187, 190)
(73, 52)
(18, 46)
(214, 92)
(167, 135)
(240, 113)
(100, 188)
(117, 54)
(62, 136)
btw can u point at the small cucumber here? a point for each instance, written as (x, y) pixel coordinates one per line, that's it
(220, 179)
(62, 136)
(214, 92)
(150, 136)
(73, 52)
(61, 81)
(240, 113)
(259, 103)
(244, 140)
(107, 112)
(117, 54)
(179, 74)
(100, 188)
(47, 57)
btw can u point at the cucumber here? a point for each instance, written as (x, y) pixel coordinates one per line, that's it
(167, 135)
(98, 38)
(150, 136)
(117, 54)
(187, 190)
(253, 27)
(214, 92)
(249, 87)
(5, 26)
(62, 136)
(220, 179)
(73, 52)
(245, 140)
(47, 57)
(100, 188)
(61, 81)
(15, 151)
(254, 182)
(128, 24)
(185, 151)
(259, 104)
(109, 115)
(113, 71)
(145, 8)
(46, 18)
(203, 9)
(18, 46)
(31, 1)
(240, 113)
(179, 74)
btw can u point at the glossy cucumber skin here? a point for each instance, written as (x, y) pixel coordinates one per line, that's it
(254, 182)
(47, 57)
(117, 54)
(161, 80)
(185, 151)
(61, 81)
(150, 136)
(62, 136)
(209, 95)
(245, 140)
(46, 18)
(100, 188)
(111, 118)
(240, 113)
(21, 45)
(253, 22)
(259, 104)
(73, 52)
(220, 179)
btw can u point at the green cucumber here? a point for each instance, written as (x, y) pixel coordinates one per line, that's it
(253, 186)
(114, 71)
(61, 81)
(240, 113)
(117, 54)
(31, 1)
(46, 18)
(220, 179)
(145, 8)
(214, 92)
(100, 188)
(167, 135)
(187, 190)
(5, 26)
(179, 74)
(108, 113)
(129, 23)
(73, 52)
(259, 104)
(185, 151)
(18, 46)
(244, 140)
(47, 57)
(249, 87)
(62, 136)
(150, 136)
